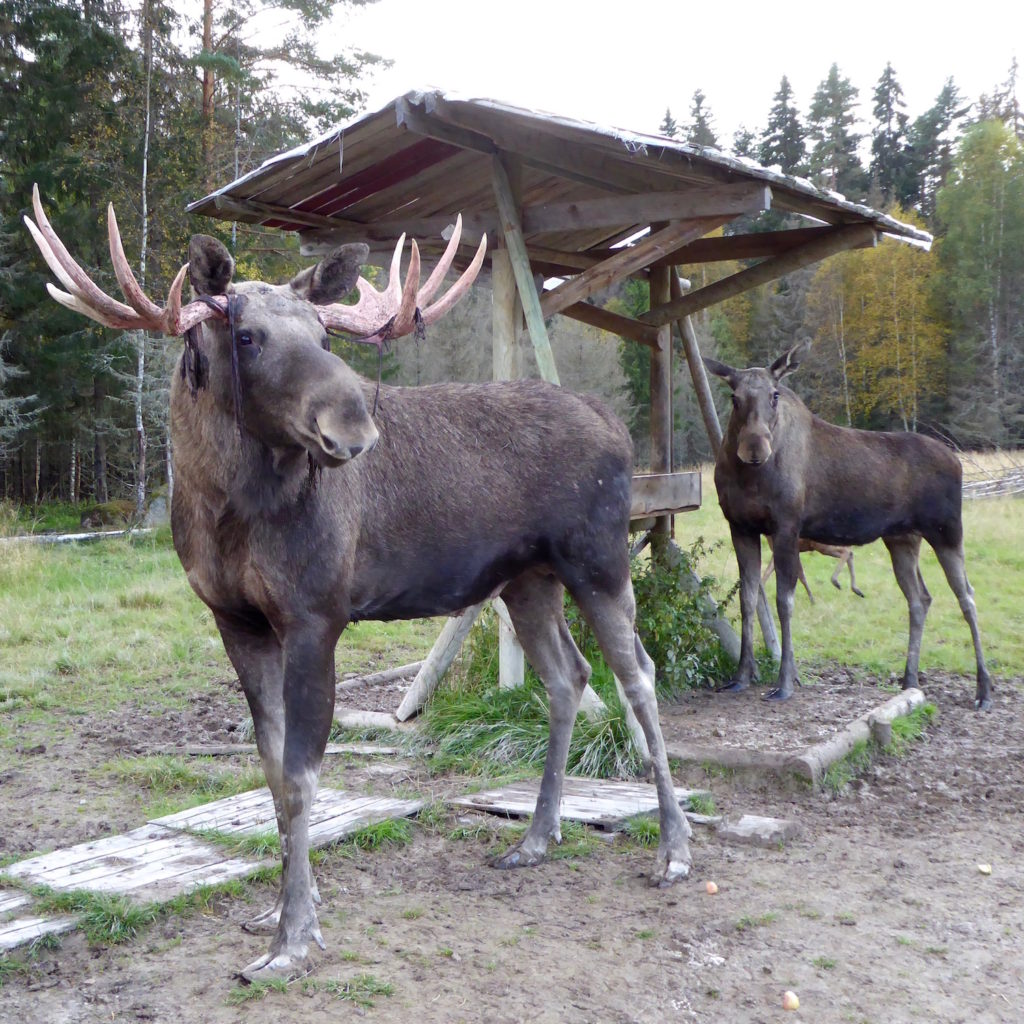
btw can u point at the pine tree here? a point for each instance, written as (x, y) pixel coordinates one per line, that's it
(782, 142)
(834, 162)
(932, 142)
(890, 163)
(246, 111)
(1003, 104)
(668, 126)
(700, 130)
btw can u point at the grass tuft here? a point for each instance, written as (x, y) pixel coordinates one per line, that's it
(392, 832)
(361, 990)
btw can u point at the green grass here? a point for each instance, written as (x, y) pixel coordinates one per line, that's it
(643, 830)
(391, 832)
(872, 633)
(361, 990)
(483, 729)
(87, 629)
(909, 728)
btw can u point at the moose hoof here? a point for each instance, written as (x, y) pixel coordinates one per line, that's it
(265, 924)
(735, 686)
(669, 873)
(983, 704)
(518, 857)
(277, 967)
(779, 693)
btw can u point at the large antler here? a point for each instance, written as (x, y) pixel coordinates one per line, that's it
(395, 311)
(84, 296)
(377, 315)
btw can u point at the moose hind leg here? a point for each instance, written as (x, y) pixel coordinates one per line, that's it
(612, 618)
(951, 558)
(904, 552)
(534, 601)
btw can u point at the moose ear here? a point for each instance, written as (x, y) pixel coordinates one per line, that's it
(789, 361)
(210, 265)
(332, 278)
(728, 373)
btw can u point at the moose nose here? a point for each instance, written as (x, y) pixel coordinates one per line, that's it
(338, 448)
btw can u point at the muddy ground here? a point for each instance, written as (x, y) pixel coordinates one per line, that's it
(876, 913)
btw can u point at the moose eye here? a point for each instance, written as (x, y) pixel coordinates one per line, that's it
(245, 338)
(735, 402)
(775, 399)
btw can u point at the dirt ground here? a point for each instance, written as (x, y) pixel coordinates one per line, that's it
(876, 913)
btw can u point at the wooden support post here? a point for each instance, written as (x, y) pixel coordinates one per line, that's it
(508, 210)
(699, 376)
(661, 400)
(511, 660)
(504, 317)
(706, 401)
(436, 663)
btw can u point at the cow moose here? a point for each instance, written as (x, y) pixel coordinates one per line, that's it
(783, 472)
(296, 511)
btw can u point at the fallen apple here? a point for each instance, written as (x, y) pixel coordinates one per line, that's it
(790, 1000)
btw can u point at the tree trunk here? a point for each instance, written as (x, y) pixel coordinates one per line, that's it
(99, 448)
(208, 96)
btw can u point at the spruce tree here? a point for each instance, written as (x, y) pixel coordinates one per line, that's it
(700, 132)
(744, 143)
(834, 162)
(668, 126)
(782, 143)
(890, 163)
(932, 143)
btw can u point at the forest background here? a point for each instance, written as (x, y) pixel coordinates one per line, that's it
(152, 105)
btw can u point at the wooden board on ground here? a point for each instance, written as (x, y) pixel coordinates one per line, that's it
(150, 863)
(335, 814)
(17, 931)
(591, 801)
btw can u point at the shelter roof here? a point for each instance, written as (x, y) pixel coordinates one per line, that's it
(583, 192)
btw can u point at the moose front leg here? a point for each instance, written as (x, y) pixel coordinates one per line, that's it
(308, 704)
(257, 657)
(748, 558)
(787, 571)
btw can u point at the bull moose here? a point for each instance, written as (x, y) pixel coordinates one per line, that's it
(783, 472)
(296, 511)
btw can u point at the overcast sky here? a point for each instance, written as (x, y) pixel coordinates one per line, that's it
(621, 64)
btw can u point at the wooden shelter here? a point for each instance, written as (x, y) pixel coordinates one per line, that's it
(569, 209)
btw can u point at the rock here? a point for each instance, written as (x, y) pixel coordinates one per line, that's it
(759, 831)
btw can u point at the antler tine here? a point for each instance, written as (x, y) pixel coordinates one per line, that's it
(405, 318)
(457, 290)
(133, 292)
(86, 297)
(437, 274)
(71, 275)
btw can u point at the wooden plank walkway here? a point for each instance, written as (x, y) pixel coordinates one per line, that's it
(151, 863)
(591, 801)
(164, 858)
(335, 815)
